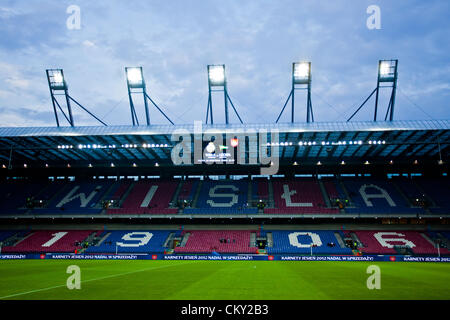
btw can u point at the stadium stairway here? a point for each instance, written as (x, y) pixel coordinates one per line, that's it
(185, 239)
(269, 239)
(271, 203)
(418, 186)
(339, 239)
(102, 239)
(401, 193)
(250, 192)
(197, 194)
(99, 204)
(253, 239)
(325, 195)
(356, 239)
(126, 193)
(173, 201)
(428, 239)
(347, 194)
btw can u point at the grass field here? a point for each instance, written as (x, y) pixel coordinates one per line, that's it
(233, 280)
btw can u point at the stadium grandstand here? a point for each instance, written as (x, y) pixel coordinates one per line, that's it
(387, 180)
(209, 188)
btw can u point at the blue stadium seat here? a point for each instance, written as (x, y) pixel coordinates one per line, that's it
(298, 242)
(222, 197)
(374, 196)
(132, 241)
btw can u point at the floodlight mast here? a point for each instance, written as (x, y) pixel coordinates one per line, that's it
(136, 84)
(217, 78)
(301, 80)
(387, 73)
(57, 83)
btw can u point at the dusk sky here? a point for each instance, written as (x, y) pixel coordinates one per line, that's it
(174, 41)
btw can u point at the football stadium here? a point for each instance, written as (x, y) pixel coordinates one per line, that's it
(226, 210)
(293, 210)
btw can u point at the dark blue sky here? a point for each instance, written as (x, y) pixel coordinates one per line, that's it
(256, 40)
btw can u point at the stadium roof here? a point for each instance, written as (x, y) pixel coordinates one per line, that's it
(303, 142)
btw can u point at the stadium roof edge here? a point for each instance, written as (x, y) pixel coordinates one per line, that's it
(282, 127)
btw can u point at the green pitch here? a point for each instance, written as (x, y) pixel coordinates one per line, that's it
(234, 280)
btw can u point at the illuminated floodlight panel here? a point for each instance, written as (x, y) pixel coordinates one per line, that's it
(302, 72)
(134, 76)
(387, 70)
(56, 79)
(216, 75)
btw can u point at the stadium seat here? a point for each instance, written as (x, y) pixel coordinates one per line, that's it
(372, 196)
(383, 242)
(148, 197)
(201, 241)
(301, 196)
(222, 197)
(299, 242)
(131, 241)
(49, 241)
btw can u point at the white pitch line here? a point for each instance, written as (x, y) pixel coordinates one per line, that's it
(101, 278)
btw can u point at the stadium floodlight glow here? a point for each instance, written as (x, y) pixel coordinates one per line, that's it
(384, 68)
(387, 70)
(216, 75)
(135, 78)
(56, 79)
(301, 72)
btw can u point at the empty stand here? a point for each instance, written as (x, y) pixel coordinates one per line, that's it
(301, 196)
(299, 242)
(384, 242)
(222, 197)
(209, 241)
(132, 241)
(49, 241)
(148, 197)
(377, 196)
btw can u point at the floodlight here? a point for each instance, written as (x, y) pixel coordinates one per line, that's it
(216, 75)
(301, 72)
(384, 68)
(56, 79)
(135, 78)
(387, 70)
